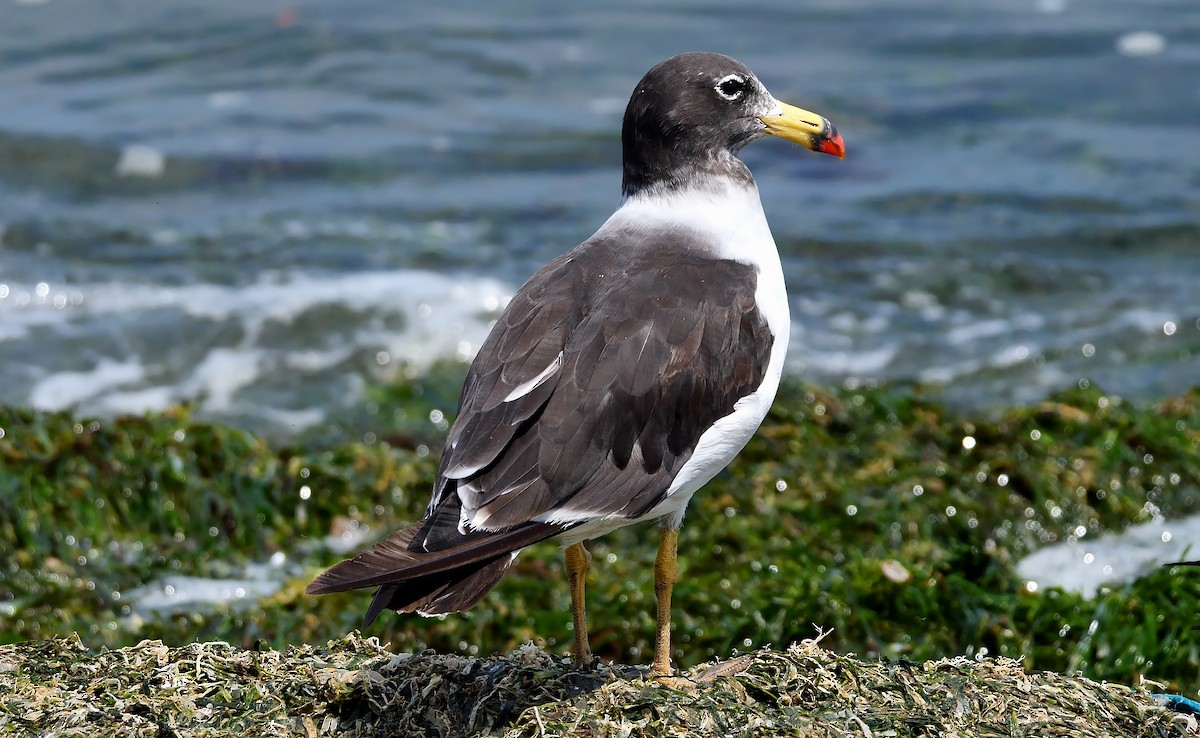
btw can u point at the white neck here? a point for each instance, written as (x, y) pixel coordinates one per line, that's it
(726, 214)
(728, 217)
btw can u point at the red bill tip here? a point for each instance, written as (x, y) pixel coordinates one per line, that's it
(831, 143)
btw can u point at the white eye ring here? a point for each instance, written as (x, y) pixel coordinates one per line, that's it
(726, 80)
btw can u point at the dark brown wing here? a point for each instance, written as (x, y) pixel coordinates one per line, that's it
(594, 387)
(586, 399)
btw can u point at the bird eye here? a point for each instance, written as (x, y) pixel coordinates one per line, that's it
(731, 87)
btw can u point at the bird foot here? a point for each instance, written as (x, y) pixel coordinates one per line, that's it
(681, 684)
(583, 661)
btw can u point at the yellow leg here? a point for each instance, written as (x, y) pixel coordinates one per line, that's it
(665, 572)
(578, 563)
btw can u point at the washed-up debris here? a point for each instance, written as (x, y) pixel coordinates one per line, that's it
(355, 687)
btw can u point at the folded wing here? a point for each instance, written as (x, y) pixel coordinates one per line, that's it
(584, 402)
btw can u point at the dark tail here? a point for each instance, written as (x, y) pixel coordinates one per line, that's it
(410, 579)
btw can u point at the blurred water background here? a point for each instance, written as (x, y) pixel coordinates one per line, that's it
(265, 207)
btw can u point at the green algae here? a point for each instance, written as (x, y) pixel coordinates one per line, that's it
(881, 514)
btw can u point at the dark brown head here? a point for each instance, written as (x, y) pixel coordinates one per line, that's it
(692, 113)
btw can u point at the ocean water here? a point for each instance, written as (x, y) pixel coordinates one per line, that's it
(262, 207)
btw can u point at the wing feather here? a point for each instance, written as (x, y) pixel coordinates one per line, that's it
(585, 401)
(648, 359)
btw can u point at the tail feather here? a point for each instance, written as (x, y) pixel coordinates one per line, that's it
(392, 560)
(411, 579)
(461, 594)
(379, 603)
(439, 594)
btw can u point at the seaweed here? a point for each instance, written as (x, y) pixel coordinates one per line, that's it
(882, 514)
(353, 687)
